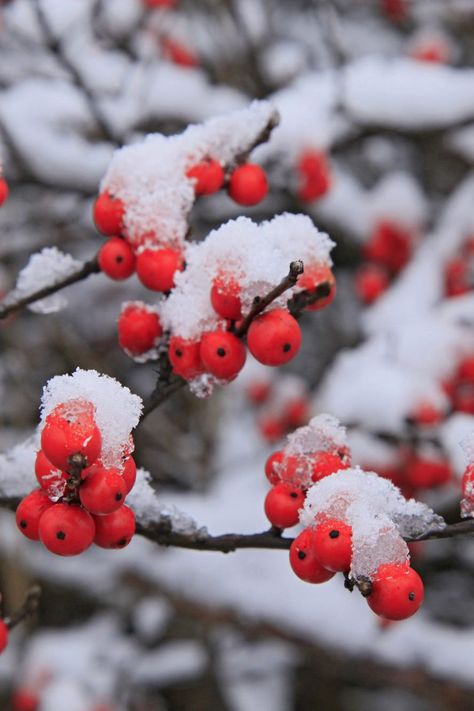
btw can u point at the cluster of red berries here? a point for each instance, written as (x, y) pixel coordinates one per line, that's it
(386, 253)
(458, 271)
(279, 410)
(414, 471)
(314, 176)
(80, 501)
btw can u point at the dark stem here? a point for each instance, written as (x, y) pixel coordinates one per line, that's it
(28, 608)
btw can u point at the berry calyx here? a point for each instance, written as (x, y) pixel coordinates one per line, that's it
(66, 529)
(115, 530)
(225, 298)
(208, 176)
(248, 184)
(223, 354)
(304, 562)
(333, 545)
(4, 633)
(185, 357)
(282, 505)
(4, 191)
(108, 213)
(103, 491)
(139, 329)
(274, 338)
(29, 512)
(397, 591)
(156, 268)
(69, 430)
(116, 259)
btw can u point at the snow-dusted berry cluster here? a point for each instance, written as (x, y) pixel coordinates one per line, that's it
(84, 467)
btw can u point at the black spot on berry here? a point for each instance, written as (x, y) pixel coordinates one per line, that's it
(286, 347)
(122, 542)
(23, 524)
(333, 534)
(119, 258)
(411, 596)
(60, 535)
(294, 495)
(178, 353)
(221, 352)
(118, 496)
(301, 555)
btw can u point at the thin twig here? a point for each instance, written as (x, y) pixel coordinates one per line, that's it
(28, 608)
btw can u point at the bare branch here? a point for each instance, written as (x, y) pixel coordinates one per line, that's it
(28, 608)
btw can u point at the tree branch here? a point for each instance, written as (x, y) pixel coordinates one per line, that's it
(28, 608)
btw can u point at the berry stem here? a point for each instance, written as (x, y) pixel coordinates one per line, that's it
(29, 607)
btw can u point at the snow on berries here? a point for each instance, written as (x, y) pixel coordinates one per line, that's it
(85, 467)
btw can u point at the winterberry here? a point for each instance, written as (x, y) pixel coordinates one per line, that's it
(248, 184)
(371, 280)
(390, 245)
(103, 491)
(423, 473)
(4, 634)
(4, 191)
(69, 430)
(49, 477)
(178, 53)
(116, 259)
(304, 561)
(156, 268)
(66, 529)
(115, 530)
(333, 545)
(108, 214)
(397, 591)
(258, 391)
(225, 298)
(29, 512)
(296, 412)
(312, 281)
(139, 329)
(326, 463)
(223, 354)
(129, 474)
(272, 467)
(271, 428)
(24, 700)
(282, 504)
(208, 176)
(185, 357)
(274, 338)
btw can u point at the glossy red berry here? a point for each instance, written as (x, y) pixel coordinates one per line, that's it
(129, 474)
(390, 244)
(208, 176)
(116, 529)
(223, 354)
(103, 491)
(312, 281)
(272, 467)
(258, 391)
(4, 191)
(139, 329)
(248, 184)
(108, 214)
(371, 280)
(178, 53)
(313, 168)
(271, 428)
(225, 297)
(185, 357)
(333, 545)
(66, 529)
(282, 504)
(69, 430)
(425, 414)
(3, 636)
(49, 477)
(424, 473)
(24, 700)
(397, 592)
(326, 463)
(274, 338)
(29, 512)
(116, 259)
(156, 268)
(296, 412)
(304, 561)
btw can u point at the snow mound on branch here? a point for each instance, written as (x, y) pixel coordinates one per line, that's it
(378, 513)
(117, 410)
(150, 177)
(44, 269)
(323, 433)
(258, 256)
(17, 468)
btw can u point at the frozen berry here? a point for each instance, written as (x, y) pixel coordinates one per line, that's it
(282, 505)
(272, 467)
(248, 184)
(304, 561)
(29, 512)
(208, 176)
(116, 529)
(66, 529)
(225, 297)
(49, 477)
(156, 268)
(185, 357)
(274, 338)
(223, 354)
(69, 430)
(397, 591)
(108, 214)
(139, 329)
(103, 491)
(319, 281)
(116, 259)
(333, 545)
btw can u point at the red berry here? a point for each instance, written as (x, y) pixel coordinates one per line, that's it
(314, 188)
(422, 473)
(129, 474)
(103, 490)
(208, 176)
(29, 512)
(426, 414)
(333, 545)
(156, 268)
(395, 10)
(225, 297)
(271, 428)
(297, 412)
(3, 636)
(70, 429)
(390, 245)
(326, 463)
(4, 191)
(23, 700)
(456, 277)
(312, 279)
(272, 470)
(165, 4)
(248, 184)
(116, 259)
(185, 357)
(312, 163)
(274, 338)
(463, 398)
(314, 169)
(303, 559)
(49, 477)
(282, 504)
(258, 391)
(397, 591)
(116, 529)
(178, 53)
(371, 280)
(66, 529)
(223, 354)
(465, 370)
(139, 329)
(108, 214)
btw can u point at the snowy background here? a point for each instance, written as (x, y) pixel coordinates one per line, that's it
(384, 89)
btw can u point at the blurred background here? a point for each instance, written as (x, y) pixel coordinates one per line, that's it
(376, 144)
